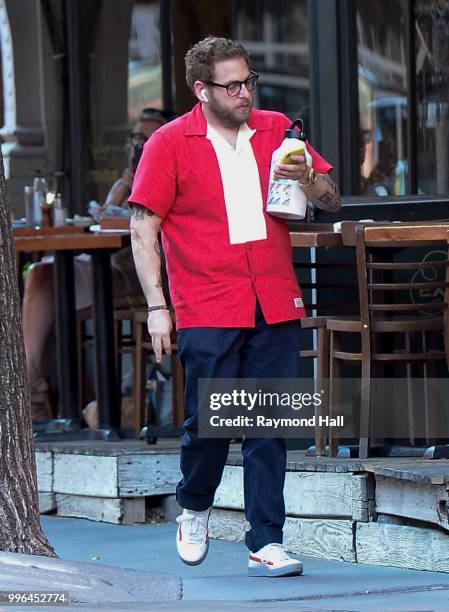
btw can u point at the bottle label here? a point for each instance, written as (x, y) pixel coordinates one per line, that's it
(280, 192)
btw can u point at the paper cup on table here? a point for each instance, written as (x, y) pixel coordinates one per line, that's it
(337, 227)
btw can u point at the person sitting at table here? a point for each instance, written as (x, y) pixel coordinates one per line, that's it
(38, 310)
(381, 181)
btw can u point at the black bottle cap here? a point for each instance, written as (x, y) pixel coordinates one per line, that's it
(291, 132)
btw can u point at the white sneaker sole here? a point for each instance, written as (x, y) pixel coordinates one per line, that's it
(295, 569)
(199, 561)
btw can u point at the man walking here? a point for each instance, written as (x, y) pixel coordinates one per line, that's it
(203, 181)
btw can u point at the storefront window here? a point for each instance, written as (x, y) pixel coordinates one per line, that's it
(7, 89)
(144, 65)
(382, 74)
(432, 95)
(275, 34)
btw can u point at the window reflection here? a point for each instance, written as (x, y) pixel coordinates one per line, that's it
(432, 88)
(144, 63)
(382, 74)
(275, 34)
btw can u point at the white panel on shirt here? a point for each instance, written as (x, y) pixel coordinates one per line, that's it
(241, 185)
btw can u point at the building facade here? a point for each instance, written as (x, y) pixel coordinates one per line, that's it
(370, 79)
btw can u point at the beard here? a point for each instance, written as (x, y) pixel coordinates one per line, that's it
(232, 118)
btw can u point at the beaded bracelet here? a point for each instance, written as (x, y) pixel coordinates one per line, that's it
(161, 307)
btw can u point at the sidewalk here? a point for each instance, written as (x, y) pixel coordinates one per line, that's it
(325, 585)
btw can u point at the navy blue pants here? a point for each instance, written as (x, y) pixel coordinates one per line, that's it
(266, 351)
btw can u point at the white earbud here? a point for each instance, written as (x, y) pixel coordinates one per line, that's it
(203, 95)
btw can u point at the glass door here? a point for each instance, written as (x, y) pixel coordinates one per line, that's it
(382, 91)
(432, 95)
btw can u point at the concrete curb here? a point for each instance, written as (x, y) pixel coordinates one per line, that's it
(86, 582)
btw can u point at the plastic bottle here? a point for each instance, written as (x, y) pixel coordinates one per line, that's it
(39, 196)
(286, 198)
(59, 212)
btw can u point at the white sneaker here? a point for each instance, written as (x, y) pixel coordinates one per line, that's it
(192, 539)
(273, 560)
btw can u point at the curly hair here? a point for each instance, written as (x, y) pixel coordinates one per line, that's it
(200, 59)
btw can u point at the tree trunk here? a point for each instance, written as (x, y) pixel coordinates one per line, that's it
(20, 528)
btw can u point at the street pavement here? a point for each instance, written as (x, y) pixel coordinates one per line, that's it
(221, 582)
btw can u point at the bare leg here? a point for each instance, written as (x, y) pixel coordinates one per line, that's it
(38, 314)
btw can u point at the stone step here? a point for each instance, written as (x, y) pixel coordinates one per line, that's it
(90, 583)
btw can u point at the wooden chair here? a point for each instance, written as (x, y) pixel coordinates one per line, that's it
(143, 349)
(387, 307)
(320, 281)
(136, 343)
(124, 342)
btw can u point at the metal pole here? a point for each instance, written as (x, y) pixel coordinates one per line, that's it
(65, 324)
(107, 385)
(74, 161)
(166, 53)
(412, 148)
(349, 98)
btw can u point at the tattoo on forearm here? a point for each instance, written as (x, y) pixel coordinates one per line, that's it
(157, 248)
(327, 179)
(158, 285)
(138, 212)
(330, 199)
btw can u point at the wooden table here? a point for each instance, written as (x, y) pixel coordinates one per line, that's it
(30, 230)
(100, 245)
(405, 234)
(315, 239)
(325, 237)
(435, 231)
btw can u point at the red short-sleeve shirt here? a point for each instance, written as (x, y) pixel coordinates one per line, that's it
(214, 283)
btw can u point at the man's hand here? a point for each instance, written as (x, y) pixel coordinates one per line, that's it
(323, 193)
(127, 177)
(294, 172)
(159, 328)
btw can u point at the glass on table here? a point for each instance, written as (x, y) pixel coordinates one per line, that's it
(28, 197)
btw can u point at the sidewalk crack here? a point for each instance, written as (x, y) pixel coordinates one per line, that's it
(391, 591)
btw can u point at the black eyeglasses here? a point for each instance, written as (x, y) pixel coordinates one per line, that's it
(137, 138)
(235, 87)
(156, 113)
